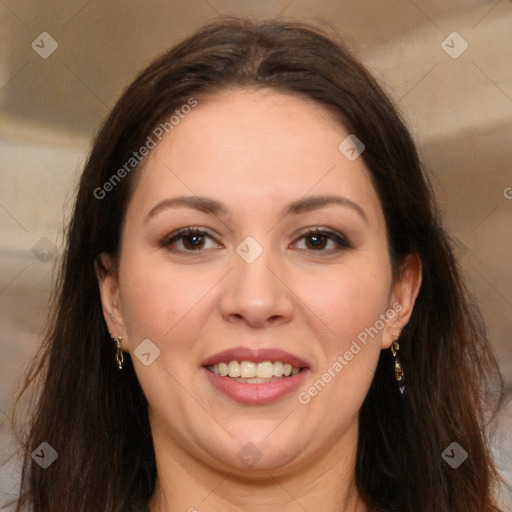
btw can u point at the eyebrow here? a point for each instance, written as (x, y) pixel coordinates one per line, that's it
(211, 206)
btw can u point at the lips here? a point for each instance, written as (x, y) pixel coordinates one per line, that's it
(255, 391)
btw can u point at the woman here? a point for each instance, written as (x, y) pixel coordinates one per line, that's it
(258, 305)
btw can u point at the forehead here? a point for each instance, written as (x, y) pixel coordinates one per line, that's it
(247, 146)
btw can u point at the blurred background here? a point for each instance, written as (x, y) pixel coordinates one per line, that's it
(63, 64)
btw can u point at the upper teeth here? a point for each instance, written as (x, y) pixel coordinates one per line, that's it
(250, 370)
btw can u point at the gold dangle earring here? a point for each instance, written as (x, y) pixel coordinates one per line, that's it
(119, 353)
(399, 373)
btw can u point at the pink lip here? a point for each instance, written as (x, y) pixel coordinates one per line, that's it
(256, 394)
(257, 355)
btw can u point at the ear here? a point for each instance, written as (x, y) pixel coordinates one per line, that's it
(403, 297)
(105, 268)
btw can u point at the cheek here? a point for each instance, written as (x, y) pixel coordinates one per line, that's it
(351, 303)
(349, 299)
(159, 301)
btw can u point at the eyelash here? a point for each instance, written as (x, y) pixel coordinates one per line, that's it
(338, 238)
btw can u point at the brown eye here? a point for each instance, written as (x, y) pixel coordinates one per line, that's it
(323, 240)
(316, 242)
(192, 242)
(190, 239)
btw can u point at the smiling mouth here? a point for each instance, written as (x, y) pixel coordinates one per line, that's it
(250, 372)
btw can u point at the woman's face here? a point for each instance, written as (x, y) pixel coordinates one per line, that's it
(257, 172)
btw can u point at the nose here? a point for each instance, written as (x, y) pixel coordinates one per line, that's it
(256, 293)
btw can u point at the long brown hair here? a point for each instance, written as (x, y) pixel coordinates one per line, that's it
(96, 417)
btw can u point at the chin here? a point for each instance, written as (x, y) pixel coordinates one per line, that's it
(256, 450)
(253, 464)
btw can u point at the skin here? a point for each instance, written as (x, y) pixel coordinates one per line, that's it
(254, 151)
